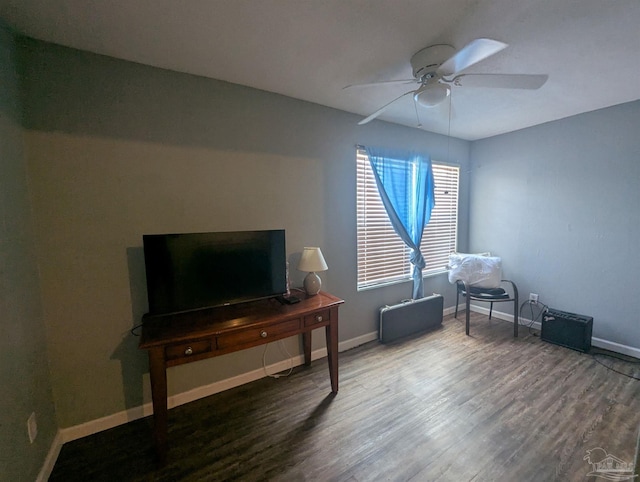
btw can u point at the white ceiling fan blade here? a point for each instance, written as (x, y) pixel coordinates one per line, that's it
(501, 81)
(382, 82)
(382, 109)
(472, 53)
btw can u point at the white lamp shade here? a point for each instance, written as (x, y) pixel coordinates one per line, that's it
(312, 260)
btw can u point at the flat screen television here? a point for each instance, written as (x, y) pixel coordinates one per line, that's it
(192, 271)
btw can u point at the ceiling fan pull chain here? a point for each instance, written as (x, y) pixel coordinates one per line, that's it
(415, 106)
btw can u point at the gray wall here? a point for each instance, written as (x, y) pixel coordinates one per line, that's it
(24, 370)
(116, 150)
(560, 203)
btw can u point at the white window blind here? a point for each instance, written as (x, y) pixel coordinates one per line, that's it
(383, 257)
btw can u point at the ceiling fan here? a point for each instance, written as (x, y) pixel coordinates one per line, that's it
(437, 68)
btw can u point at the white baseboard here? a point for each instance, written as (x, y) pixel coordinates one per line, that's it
(69, 434)
(94, 426)
(50, 460)
(357, 341)
(597, 342)
(616, 347)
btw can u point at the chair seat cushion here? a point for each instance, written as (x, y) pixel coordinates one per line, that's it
(486, 293)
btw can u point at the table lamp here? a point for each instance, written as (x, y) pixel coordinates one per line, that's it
(312, 261)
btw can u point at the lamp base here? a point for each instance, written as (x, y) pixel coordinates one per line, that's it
(312, 284)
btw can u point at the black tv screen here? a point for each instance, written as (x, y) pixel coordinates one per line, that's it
(193, 271)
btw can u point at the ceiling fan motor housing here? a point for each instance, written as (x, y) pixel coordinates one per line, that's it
(427, 60)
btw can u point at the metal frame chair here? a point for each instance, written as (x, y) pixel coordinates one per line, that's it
(491, 295)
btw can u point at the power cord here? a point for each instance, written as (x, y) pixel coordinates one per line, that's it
(617, 357)
(536, 318)
(283, 351)
(134, 331)
(543, 309)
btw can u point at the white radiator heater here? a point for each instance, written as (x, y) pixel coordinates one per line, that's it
(409, 317)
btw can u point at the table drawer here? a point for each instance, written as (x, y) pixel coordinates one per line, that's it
(255, 336)
(318, 317)
(187, 350)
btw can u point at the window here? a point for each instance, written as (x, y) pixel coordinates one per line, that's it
(382, 256)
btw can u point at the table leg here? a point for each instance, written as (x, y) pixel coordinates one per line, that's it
(158, 375)
(332, 351)
(306, 344)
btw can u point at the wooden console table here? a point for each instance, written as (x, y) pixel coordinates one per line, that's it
(196, 335)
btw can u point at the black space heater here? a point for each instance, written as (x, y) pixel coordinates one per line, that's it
(567, 329)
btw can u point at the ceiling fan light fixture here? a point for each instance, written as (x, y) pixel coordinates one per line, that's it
(432, 95)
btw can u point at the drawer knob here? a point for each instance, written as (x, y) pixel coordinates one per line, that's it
(319, 318)
(188, 351)
(263, 334)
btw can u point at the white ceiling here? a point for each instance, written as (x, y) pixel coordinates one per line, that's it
(311, 49)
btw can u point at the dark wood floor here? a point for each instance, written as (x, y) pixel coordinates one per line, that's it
(441, 406)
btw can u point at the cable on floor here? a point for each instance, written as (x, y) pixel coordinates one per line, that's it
(544, 308)
(284, 352)
(616, 357)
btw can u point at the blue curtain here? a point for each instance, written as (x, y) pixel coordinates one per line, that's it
(405, 183)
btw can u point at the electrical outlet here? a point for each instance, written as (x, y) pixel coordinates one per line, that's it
(32, 427)
(533, 297)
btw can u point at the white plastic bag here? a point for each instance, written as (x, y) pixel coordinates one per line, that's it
(475, 270)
